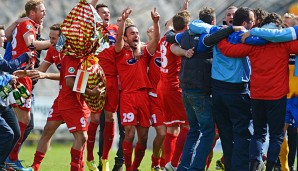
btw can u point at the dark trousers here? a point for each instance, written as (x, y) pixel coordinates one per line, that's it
(232, 116)
(292, 134)
(119, 159)
(271, 112)
(9, 132)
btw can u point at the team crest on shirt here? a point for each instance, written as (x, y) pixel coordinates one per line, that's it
(131, 61)
(29, 27)
(157, 61)
(71, 70)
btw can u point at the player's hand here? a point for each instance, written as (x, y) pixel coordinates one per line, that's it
(189, 53)
(185, 5)
(125, 13)
(96, 91)
(20, 73)
(155, 16)
(244, 36)
(30, 54)
(13, 80)
(36, 75)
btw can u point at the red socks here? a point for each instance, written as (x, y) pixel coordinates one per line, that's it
(108, 135)
(38, 157)
(127, 153)
(13, 156)
(179, 146)
(155, 161)
(170, 141)
(162, 162)
(91, 140)
(76, 156)
(139, 155)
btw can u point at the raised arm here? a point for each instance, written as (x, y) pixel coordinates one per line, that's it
(154, 42)
(93, 3)
(169, 23)
(120, 34)
(9, 29)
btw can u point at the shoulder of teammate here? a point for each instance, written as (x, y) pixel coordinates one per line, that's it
(27, 26)
(112, 27)
(71, 65)
(50, 54)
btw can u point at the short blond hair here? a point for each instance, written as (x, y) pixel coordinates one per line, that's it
(31, 5)
(289, 15)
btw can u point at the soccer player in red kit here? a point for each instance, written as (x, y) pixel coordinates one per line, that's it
(23, 36)
(157, 118)
(134, 100)
(54, 119)
(170, 95)
(107, 62)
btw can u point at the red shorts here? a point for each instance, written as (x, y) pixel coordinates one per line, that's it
(54, 113)
(27, 82)
(76, 119)
(172, 106)
(134, 109)
(112, 97)
(156, 114)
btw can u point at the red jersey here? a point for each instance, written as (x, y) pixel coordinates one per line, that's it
(154, 69)
(107, 56)
(68, 98)
(170, 65)
(107, 61)
(113, 29)
(270, 66)
(53, 57)
(132, 72)
(18, 43)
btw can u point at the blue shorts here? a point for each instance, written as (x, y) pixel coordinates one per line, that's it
(292, 111)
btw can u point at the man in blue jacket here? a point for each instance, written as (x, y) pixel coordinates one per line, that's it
(9, 128)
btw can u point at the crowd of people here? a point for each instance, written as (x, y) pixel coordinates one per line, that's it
(194, 82)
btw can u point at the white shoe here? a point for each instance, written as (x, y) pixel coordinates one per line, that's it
(170, 167)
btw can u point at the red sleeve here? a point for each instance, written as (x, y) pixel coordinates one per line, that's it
(49, 56)
(71, 66)
(234, 50)
(147, 53)
(293, 47)
(26, 27)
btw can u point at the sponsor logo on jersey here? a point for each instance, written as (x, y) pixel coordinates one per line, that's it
(71, 70)
(131, 61)
(29, 27)
(157, 61)
(112, 40)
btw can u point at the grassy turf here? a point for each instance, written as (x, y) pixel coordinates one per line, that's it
(58, 158)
